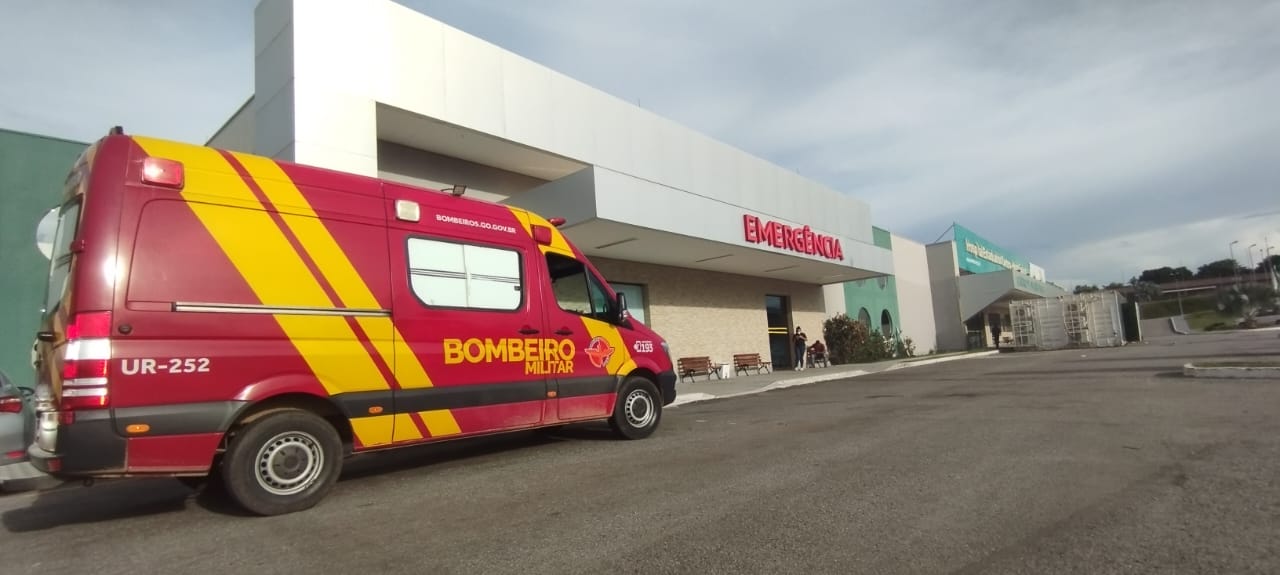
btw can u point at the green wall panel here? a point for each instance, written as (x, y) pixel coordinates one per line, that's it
(876, 295)
(32, 170)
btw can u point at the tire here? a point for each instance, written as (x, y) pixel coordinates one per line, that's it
(301, 456)
(638, 409)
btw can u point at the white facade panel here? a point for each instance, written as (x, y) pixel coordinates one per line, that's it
(473, 84)
(915, 294)
(613, 142)
(674, 154)
(237, 134)
(270, 18)
(335, 119)
(273, 123)
(833, 296)
(412, 44)
(380, 52)
(527, 117)
(943, 272)
(573, 114)
(273, 65)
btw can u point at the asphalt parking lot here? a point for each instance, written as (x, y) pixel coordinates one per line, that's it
(1097, 461)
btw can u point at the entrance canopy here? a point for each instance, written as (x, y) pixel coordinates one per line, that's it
(615, 215)
(978, 291)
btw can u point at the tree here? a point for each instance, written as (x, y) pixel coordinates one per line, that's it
(1117, 285)
(1221, 269)
(1268, 265)
(1085, 288)
(1166, 274)
(1144, 291)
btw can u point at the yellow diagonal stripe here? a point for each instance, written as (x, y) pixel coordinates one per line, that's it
(620, 362)
(347, 284)
(529, 219)
(274, 271)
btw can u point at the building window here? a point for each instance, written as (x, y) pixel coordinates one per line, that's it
(636, 302)
(886, 324)
(447, 274)
(576, 290)
(864, 316)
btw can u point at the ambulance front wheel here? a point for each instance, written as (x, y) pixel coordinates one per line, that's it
(282, 462)
(638, 409)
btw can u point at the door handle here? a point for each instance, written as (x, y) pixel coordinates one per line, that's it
(528, 330)
(564, 331)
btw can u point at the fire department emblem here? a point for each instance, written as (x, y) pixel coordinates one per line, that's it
(599, 351)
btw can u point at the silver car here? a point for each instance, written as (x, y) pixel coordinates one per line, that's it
(17, 426)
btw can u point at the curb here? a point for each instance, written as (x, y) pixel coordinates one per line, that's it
(798, 381)
(1242, 372)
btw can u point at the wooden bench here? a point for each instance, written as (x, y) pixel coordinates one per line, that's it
(746, 361)
(691, 366)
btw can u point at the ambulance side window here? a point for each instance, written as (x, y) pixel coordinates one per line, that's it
(458, 275)
(576, 290)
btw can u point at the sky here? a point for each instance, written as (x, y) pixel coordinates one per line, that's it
(1094, 138)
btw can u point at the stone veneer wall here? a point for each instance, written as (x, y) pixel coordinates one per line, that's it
(715, 314)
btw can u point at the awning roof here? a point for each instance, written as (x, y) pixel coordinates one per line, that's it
(978, 291)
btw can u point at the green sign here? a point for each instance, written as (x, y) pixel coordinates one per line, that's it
(977, 255)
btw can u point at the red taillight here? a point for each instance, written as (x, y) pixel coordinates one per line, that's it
(85, 362)
(15, 454)
(162, 172)
(10, 405)
(94, 324)
(84, 369)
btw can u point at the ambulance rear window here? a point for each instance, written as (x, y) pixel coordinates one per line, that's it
(60, 256)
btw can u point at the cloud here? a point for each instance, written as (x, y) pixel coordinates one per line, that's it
(1187, 244)
(175, 69)
(1044, 126)
(1048, 127)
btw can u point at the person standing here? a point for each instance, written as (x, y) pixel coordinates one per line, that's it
(798, 342)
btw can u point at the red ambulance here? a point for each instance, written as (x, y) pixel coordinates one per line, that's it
(212, 313)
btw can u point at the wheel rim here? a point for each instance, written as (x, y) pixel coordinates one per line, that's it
(289, 463)
(640, 412)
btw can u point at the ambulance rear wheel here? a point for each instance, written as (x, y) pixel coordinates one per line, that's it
(282, 462)
(638, 409)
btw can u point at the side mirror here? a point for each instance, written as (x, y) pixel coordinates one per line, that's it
(27, 391)
(620, 310)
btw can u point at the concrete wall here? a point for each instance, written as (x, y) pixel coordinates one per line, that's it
(915, 293)
(421, 168)
(943, 273)
(32, 171)
(714, 314)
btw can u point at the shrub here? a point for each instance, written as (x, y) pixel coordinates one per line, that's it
(844, 335)
(906, 347)
(877, 348)
(851, 341)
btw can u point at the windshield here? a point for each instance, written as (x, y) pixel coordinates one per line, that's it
(60, 262)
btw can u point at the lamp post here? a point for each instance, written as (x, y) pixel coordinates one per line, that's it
(1252, 276)
(1235, 268)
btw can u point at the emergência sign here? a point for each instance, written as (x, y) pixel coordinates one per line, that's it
(797, 239)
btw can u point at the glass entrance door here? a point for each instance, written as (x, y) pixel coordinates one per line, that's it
(778, 310)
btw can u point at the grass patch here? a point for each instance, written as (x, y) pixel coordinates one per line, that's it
(1210, 320)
